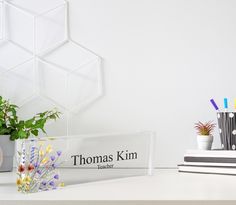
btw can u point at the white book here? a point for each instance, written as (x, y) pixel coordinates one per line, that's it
(211, 153)
(210, 164)
(208, 170)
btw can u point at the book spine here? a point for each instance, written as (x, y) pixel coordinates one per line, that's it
(207, 170)
(210, 159)
(202, 172)
(206, 166)
(211, 153)
(210, 164)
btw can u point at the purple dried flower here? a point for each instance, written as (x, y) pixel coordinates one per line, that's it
(44, 183)
(53, 166)
(56, 176)
(52, 183)
(39, 172)
(53, 158)
(58, 153)
(36, 164)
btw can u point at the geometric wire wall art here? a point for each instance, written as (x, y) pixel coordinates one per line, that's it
(41, 67)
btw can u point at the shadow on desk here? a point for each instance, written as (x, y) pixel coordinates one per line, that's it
(125, 202)
(75, 176)
(7, 185)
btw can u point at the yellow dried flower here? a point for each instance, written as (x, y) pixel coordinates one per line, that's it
(41, 153)
(27, 179)
(45, 160)
(27, 187)
(49, 149)
(62, 184)
(19, 182)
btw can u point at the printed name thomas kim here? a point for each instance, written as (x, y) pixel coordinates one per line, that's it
(119, 156)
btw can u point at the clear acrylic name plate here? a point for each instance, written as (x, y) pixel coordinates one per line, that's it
(52, 162)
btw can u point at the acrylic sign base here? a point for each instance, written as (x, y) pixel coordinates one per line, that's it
(48, 163)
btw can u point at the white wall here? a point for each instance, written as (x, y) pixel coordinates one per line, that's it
(163, 61)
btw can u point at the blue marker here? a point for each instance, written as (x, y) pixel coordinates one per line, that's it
(225, 104)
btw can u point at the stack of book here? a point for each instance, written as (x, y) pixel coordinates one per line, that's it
(209, 162)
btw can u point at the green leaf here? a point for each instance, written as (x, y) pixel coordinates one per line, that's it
(21, 124)
(14, 106)
(29, 123)
(4, 131)
(19, 153)
(14, 135)
(35, 132)
(27, 135)
(42, 114)
(52, 117)
(39, 124)
(22, 134)
(43, 130)
(12, 122)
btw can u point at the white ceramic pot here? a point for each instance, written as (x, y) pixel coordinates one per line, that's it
(204, 142)
(7, 151)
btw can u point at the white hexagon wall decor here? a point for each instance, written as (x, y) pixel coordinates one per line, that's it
(18, 84)
(36, 25)
(72, 80)
(12, 56)
(40, 65)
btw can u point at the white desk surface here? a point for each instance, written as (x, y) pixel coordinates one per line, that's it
(165, 185)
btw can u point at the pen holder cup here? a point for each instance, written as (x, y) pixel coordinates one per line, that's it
(227, 129)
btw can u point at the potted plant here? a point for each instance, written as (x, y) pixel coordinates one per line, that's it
(205, 137)
(12, 128)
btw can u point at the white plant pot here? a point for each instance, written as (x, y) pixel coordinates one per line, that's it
(7, 151)
(204, 142)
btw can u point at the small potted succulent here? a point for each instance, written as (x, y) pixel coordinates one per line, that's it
(12, 128)
(204, 137)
